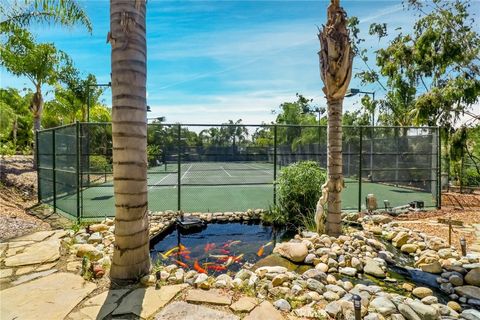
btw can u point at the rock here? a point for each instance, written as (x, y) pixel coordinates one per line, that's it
(383, 305)
(473, 277)
(422, 292)
(144, 302)
(32, 276)
(294, 251)
(430, 300)
(244, 304)
(202, 277)
(470, 314)
(333, 309)
(468, 291)
(95, 237)
(423, 311)
(408, 312)
(90, 251)
(380, 219)
(408, 286)
(309, 258)
(454, 306)
(331, 296)
(36, 237)
(148, 280)
(456, 280)
(213, 296)
(315, 285)
(356, 263)
(314, 274)
(264, 311)
(322, 267)
(282, 305)
(41, 252)
(50, 297)
(279, 279)
(409, 248)
(434, 267)
(180, 310)
(5, 273)
(348, 271)
(100, 227)
(374, 269)
(400, 239)
(373, 316)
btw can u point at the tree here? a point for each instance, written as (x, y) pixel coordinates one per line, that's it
(127, 37)
(336, 58)
(40, 63)
(20, 14)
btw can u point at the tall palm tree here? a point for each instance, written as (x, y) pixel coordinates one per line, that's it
(127, 37)
(336, 58)
(21, 13)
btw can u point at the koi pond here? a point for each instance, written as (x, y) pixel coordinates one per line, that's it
(218, 247)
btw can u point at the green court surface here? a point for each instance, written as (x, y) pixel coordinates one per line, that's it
(223, 186)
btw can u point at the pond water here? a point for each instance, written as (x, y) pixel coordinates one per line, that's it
(218, 247)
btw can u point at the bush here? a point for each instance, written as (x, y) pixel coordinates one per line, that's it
(99, 164)
(298, 190)
(471, 177)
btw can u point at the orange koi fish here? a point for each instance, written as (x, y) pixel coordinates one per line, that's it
(238, 258)
(197, 267)
(184, 252)
(181, 264)
(181, 247)
(260, 251)
(224, 251)
(217, 268)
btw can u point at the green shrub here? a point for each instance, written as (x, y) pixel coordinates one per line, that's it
(99, 164)
(7, 148)
(298, 190)
(471, 177)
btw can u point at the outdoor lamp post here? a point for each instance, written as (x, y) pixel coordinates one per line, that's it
(353, 92)
(88, 95)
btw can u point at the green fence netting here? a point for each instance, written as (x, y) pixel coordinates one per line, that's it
(210, 168)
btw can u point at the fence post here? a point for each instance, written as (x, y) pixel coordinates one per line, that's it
(77, 126)
(274, 164)
(360, 171)
(54, 173)
(36, 161)
(179, 165)
(439, 169)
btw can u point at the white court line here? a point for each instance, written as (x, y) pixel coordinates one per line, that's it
(226, 172)
(158, 182)
(268, 172)
(185, 173)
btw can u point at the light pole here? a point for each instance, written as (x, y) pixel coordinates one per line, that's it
(353, 92)
(88, 95)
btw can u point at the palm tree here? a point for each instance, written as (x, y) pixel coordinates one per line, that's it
(336, 58)
(19, 14)
(127, 37)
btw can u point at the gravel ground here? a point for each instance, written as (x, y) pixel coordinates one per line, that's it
(18, 191)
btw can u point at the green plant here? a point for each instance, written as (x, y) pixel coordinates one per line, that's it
(99, 163)
(298, 190)
(7, 149)
(471, 177)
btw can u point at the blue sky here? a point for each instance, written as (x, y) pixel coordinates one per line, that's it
(210, 61)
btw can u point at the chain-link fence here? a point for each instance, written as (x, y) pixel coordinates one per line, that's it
(233, 167)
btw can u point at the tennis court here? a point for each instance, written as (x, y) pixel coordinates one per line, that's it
(227, 186)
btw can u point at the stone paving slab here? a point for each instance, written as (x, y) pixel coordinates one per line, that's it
(244, 304)
(144, 302)
(32, 276)
(264, 311)
(186, 311)
(42, 252)
(99, 306)
(50, 297)
(212, 296)
(37, 236)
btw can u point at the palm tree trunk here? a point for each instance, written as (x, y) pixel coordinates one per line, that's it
(127, 36)
(37, 108)
(334, 167)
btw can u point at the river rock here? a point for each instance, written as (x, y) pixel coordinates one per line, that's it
(430, 300)
(454, 306)
(348, 271)
(434, 267)
(383, 305)
(423, 311)
(468, 291)
(279, 279)
(471, 314)
(409, 248)
(473, 277)
(408, 312)
(309, 258)
(456, 280)
(294, 251)
(400, 239)
(373, 268)
(282, 305)
(90, 251)
(422, 292)
(322, 267)
(380, 219)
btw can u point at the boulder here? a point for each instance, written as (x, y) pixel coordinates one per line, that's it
(422, 292)
(468, 292)
(473, 277)
(423, 311)
(409, 248)
(294, 251)
(434, 267)
(400, 239)
(373, 268)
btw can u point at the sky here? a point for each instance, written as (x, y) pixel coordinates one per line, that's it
(211, 61)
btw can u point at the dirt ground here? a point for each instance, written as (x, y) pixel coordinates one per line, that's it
(18, 192)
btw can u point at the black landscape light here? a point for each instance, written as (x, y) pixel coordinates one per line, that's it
(463, 245)
(357, 305)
